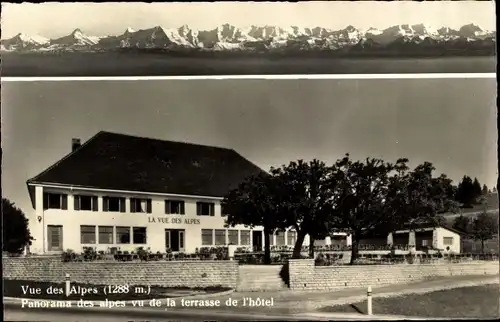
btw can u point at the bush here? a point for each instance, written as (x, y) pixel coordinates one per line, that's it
(68, 256)
(89, 254)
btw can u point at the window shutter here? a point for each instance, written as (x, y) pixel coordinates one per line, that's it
(45, 201)
(132, 205)
(76, 203)
(149, 206)
(95, 203)
(122, 204)
(212, 209)
(105, 204)
(64, 202)
(167, 207)
(198, 209)
(182, 207)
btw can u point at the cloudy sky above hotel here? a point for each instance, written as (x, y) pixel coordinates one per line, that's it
(449, 122)
(59, 19)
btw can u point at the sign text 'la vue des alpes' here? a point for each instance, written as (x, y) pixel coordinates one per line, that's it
(174, 220)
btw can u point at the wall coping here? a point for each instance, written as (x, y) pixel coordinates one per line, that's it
(405, 265)
(128, 262)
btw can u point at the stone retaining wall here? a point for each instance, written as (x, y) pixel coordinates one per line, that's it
(161, 273)
(304, 275)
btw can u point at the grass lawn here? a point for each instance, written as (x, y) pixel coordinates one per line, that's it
(467, 302)
(55, 291)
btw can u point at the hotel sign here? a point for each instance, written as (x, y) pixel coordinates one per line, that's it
(174, 220)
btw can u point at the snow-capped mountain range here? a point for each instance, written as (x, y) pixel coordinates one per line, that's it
(259, 39)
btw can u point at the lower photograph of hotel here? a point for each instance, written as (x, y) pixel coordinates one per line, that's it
(110, 194)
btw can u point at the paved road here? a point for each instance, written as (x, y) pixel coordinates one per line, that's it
(13, 312)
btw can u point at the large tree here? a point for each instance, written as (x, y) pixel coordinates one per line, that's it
(485, 190)
(413, 198)
(462, 224)
(305, 201)
(360, 195)
(253, 203)
(484, 227)
(16, 234)
(465, 192)
(477, 189)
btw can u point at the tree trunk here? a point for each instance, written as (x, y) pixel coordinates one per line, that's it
(482, 246)
(311, 247)
(354, 248)
(267, 247)
(298, 245)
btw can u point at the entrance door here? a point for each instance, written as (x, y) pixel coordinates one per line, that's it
(257, 240)
(174, 240)
(54, 238)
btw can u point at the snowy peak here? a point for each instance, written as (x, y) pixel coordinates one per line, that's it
(77, 38)
(23, 41)
(472, 30)
(254, 38)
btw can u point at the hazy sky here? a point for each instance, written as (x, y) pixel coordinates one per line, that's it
(100, 19)
(449, 122)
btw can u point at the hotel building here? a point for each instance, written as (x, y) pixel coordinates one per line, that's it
(125, 192)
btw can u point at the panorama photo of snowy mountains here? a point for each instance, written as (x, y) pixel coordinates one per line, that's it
(186, 39)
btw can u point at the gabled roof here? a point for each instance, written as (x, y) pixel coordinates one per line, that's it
(124, 162)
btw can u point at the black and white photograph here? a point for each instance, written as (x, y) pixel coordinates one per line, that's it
(250, 199)
(247, 38)
(249, 161)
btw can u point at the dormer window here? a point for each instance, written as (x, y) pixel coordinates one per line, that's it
(174, 207)
(205, 209)
(113, 204)
(140, 205)
(85, 203)
(55, 201)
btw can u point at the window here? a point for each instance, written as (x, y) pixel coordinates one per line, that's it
(233, 237)
(448, 241)
(291, 237)
(87, 234)
(139, 235)
(86, 203)
(54, 236)
(140, 205)
(220, 237)
(55, 201)
(174, 207)
(245, 237)
(205, 209)
(105, 235)
(207, 237)
(280, 238)
(113, 204)
(425, 242)
(123, 235)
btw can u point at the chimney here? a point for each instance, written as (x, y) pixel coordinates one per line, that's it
(75, 144)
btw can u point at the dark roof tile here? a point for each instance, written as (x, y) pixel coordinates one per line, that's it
(123, 162)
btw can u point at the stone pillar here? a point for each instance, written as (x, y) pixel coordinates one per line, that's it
(348, 240)
(390, 239)
(411, 239)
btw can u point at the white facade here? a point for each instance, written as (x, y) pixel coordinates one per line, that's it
(446, 238)
(442, 239)
(56, 230)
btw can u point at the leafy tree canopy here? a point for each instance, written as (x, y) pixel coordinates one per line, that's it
(16, 234)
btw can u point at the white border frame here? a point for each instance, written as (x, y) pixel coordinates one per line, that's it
(234, 77)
